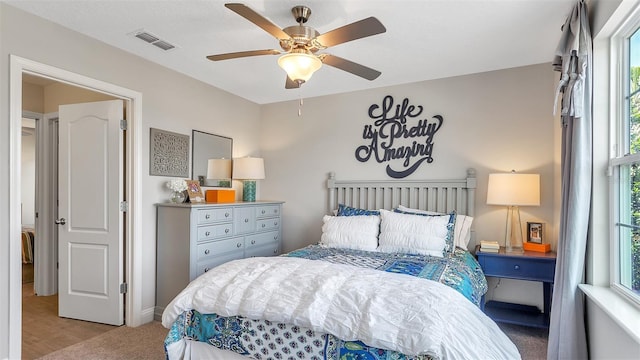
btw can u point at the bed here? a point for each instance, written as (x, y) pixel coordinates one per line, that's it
(390, 278)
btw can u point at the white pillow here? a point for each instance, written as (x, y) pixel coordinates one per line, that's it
(406, 233)
(351, 232)
(462, 232)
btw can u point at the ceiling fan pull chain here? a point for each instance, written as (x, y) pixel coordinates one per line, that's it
(301, 102)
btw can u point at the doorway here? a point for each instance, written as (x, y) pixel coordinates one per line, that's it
(132, 306)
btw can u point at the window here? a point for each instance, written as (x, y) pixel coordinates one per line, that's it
(626, 167)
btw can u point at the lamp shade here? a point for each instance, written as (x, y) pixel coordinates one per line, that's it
(513, 189)
(248, 168)
(219, 169)
(299, 66)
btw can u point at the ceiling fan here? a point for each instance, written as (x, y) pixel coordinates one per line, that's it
(300, 44)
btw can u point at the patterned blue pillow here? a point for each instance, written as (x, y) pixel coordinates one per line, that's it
(344, 210)
(449, 246)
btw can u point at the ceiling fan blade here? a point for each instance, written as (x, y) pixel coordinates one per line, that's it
(350, 66)
(290, 84)
(357, 30)
(261, 21)
(235, 55)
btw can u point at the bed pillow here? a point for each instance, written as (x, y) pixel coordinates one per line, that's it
(408, 233)
(350, 232)
(462, 231)
(344, 210)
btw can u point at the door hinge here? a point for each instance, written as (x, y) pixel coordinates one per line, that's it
(123, 288)
(123, 124)
(124, 206)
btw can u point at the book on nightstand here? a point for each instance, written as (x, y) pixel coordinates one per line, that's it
(489, 246)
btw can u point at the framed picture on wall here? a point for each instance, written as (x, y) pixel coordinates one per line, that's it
(194, 191)
(534, 232)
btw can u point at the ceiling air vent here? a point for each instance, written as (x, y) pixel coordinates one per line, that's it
(152, 39)
(163, 45)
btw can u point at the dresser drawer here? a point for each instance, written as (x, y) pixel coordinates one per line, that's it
(262, 239)
(267, 250)
(523, 268)
(268, 224)
(267, 211)
(204, 266)
(206, 216)
(210, 232)
(215, 248)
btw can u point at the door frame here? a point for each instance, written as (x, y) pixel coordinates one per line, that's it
(133, 188)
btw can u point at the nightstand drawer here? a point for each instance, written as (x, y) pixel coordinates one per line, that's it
(518, 268)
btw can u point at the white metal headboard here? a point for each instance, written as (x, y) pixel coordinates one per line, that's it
(433, 195)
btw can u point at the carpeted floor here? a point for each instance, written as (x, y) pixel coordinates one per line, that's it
(146, 342)
(122, 343)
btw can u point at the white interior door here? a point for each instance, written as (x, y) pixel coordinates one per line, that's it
(90, 222)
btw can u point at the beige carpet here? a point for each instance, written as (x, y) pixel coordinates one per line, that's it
(143, 342)
(146, 342)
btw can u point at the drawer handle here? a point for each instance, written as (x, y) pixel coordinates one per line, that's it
(206, 252)
(226, 231)
(206, 269)
(275, 223)
(275, 251)
(253, 242)
(263, 211)
(207, 233)
(246, 220)
(264, 225)
(516, 267)
(226, 214)
(239, 245)
(207, 216)
(275, 237)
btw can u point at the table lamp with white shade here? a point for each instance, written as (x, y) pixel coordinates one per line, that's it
(513, 190)
(248, 169)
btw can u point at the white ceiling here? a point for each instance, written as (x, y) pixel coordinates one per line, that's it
(425, 39)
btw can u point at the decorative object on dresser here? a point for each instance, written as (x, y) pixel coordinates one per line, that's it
(193, 238)
(220, 196)
(194, 191)
(177, 188)
(513, 190)
(248, 169)
(531, 266)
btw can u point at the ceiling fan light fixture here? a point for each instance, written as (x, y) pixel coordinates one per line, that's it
(300, 65)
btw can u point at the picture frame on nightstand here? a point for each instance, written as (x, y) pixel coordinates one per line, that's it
(535, 232)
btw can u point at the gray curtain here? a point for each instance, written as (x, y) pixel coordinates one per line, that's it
(567, 334)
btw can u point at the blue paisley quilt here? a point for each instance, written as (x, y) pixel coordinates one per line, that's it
(262, 339)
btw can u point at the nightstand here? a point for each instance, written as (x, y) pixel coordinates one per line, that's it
(530, 265)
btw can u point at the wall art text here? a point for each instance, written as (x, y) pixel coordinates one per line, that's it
(399, 132)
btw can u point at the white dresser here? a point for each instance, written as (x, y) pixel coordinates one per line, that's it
(193, 238)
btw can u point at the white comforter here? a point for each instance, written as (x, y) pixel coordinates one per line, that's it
(392, 311)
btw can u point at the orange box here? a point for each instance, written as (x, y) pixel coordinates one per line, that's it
(529, 246)
(220, 196)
